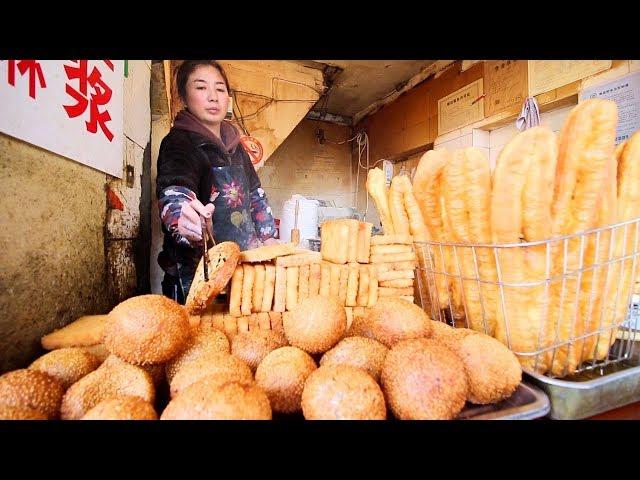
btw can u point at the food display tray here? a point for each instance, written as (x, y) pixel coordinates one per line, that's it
(592, 392)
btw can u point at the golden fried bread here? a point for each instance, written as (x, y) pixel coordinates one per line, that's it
(223, 259)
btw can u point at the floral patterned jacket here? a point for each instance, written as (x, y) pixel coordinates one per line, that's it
(192, 165)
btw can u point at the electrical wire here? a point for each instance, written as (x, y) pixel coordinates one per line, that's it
(255, 114)
(363, 144)
(319, 92)
(342, 142)
(362, 140)
(240, 117)
(271, 101)
(273, 96)
(323, 98)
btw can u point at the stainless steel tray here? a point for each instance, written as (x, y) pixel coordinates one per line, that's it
(526, 403)
(592, 392)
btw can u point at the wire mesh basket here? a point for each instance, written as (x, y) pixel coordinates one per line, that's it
(558, 304)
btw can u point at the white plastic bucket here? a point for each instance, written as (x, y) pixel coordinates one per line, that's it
(307, 219)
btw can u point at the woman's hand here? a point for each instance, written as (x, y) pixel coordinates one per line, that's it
(271, 241)
(189, 223)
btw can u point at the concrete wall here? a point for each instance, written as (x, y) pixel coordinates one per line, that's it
(302, 165)
(53, 233)
(52, 244)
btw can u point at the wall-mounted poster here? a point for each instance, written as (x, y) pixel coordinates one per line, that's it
(462, 107)
(625, 91)
(505, 85)
(71, 107)
(545, 75)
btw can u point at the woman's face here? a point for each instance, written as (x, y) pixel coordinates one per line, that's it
(207, 95)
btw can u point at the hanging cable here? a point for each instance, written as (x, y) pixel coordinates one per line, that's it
(362, 140)
(366, 208)
(240, 117)
(342, 142)
(269, 101)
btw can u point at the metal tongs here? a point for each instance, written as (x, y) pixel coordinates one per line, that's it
(207, 231)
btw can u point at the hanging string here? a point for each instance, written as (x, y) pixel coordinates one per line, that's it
(239, 116)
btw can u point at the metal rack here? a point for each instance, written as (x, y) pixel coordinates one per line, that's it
(594, 391)
(558, 304)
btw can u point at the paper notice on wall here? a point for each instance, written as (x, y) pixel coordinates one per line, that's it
(505, 84)
(462, 107)
(625, 91)
(545, 75)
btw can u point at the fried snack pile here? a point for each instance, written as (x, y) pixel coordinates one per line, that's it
(393, 362)
(223, 259)
(544, 186)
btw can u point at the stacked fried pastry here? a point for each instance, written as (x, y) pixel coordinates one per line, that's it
(555, 303)
(403, 223)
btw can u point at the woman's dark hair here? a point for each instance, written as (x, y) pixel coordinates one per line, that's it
(188, 66)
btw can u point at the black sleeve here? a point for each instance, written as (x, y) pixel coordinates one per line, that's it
(177, 166)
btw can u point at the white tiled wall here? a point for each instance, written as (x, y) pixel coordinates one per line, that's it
(492, 142)
(499, 137)
(480, 138)
(454, 139)
(463, 138)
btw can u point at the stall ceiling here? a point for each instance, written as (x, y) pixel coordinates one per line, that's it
(356, 84)
(360, 83)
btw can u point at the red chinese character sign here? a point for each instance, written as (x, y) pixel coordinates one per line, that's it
(71, 107)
